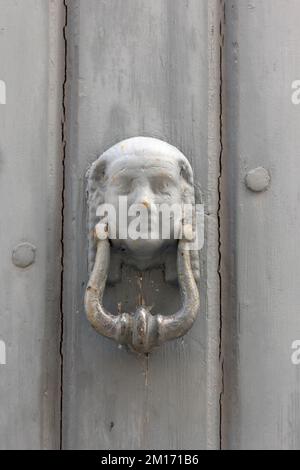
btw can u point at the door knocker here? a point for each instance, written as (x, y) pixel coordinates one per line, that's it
(152, 182)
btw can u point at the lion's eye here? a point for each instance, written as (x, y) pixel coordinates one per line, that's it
(162, 186)
(123, 185)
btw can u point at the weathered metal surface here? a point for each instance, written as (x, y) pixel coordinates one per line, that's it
(258, 179)
(24, 255)
(155, 179)
(141, 331)
(31, 51)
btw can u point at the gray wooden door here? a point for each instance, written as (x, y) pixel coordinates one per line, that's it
(218, 79)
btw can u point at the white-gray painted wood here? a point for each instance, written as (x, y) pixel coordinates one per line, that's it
(260, 247)
(141, 68)
(31, 65)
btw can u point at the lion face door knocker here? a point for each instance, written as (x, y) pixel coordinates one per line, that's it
(154, 180)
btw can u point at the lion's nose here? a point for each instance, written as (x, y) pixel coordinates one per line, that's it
(146, 203)
(144, 196)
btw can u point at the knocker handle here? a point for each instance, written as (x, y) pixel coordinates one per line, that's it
(141, 330)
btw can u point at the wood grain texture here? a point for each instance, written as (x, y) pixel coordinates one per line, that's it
(260, 249)
(140, 68)
(31, 51)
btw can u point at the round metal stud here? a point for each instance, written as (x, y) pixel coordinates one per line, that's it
(23, 255)
(258, 179)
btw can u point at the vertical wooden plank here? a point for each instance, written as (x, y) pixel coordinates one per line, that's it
(260, 249)
(31, 65)
(140, 68)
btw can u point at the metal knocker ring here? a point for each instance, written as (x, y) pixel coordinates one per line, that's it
(160, 173)
(141, 330)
